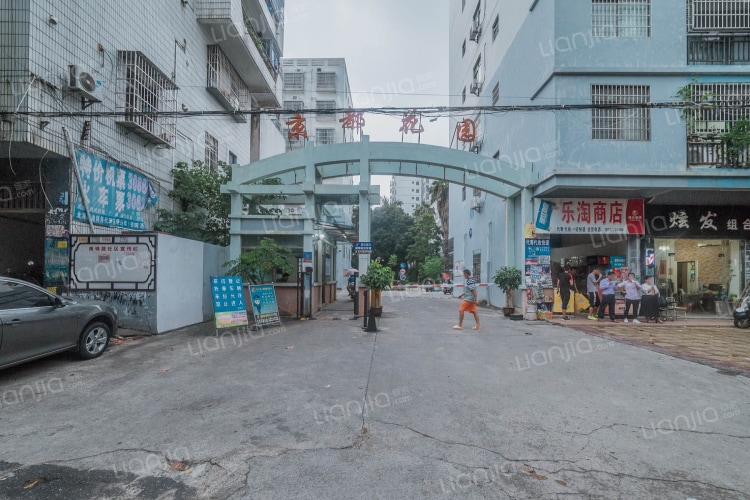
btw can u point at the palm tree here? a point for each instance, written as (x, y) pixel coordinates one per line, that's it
(439, 197)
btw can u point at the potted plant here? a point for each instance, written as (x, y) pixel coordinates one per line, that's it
(509, 280)
(377, 278)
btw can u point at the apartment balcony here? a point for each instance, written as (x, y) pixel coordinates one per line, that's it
(224, 83)
(224, 22)
(719, 48)
(711, 151)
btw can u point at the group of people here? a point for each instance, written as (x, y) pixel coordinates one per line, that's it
(639, 297)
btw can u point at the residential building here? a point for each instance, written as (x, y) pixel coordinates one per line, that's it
(684, 189)
(322, 85)
(112, 85)
(409, 191)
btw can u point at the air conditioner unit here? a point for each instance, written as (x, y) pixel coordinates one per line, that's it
(476, 204)
(475, 32)
(82, 80)
(475, 88)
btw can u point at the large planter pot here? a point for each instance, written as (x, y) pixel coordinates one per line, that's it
(377, 311)
(507, 311)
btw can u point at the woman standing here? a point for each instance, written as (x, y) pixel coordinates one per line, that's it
(649, 300)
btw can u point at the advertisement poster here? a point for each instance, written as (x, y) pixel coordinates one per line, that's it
(591, 216)
(229, 301)
(264, 306)
(537, 260)
(115, 195)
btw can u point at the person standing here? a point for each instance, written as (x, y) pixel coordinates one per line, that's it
(608, 286)
(592, 289)
(632, 297)
(469, 302)
(650, 301)
(563, 286)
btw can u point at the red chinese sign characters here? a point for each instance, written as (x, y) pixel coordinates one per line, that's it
(466, 131)
(297, 129)
(594, 216)
(353, 120)
(410, 123)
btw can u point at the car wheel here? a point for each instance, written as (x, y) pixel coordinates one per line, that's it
(742, 323)
(94, 340)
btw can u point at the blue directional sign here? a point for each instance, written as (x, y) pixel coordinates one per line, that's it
(362, 247)
(403, 265)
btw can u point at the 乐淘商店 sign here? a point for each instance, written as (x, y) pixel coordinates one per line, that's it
(590, 216)
(115, 195)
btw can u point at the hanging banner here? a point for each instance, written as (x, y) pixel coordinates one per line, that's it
(229, 301)
(590, 216)
(265, 308)
(116, 196)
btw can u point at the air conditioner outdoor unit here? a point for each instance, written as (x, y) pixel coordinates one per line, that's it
(475, 88)
(82, 80)
(476, 204)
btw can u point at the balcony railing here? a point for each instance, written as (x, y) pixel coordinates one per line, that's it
(713, 152)
(715, 48)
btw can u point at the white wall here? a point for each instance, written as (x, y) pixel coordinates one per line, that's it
(179, 283)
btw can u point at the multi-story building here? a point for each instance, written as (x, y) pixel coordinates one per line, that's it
(322, 85)
(111, 85)
(409, 191)
(618, 180)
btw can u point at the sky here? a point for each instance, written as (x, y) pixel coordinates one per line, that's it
(396, 54)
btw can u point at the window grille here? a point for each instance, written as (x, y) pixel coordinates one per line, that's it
(495, 27)
(728, 106)
(212, 152)
(463, 193)
(297, 105)
(477, 17)
(328, 105)
(294, 81)
(718, 15)
(476, 264)
(620, 124)
(496, 93)
(621, 18)
(477, 71)
(324, 136)
(142, 91)
(718, 48)
(326, 81)
(222, 76)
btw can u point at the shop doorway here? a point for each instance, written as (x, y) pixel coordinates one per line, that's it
(685, 276)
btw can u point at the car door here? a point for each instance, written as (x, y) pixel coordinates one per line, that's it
(32, 325)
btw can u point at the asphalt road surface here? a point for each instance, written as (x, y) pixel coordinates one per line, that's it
(322, 409)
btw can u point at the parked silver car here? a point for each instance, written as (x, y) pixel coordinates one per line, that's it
(35, 323)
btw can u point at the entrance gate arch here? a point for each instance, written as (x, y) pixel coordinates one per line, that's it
(301, 174)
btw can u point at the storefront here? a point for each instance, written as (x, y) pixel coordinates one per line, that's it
(701, 254)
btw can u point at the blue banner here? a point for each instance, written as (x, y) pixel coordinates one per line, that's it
(264, 306)
(544, 217)
(229, 301)
(116, 196)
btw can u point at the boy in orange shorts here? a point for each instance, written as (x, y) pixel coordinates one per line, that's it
(469, 302)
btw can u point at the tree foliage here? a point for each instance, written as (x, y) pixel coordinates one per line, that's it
(389, 232)
(261, 262)
(426, 237)
(439, 199)
(432, 267)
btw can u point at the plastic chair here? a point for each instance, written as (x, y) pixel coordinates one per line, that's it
(672, 310)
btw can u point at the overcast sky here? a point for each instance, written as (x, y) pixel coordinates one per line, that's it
(396, 54)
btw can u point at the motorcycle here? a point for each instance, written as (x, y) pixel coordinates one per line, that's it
(350, 288)
(447, 287)
(742, 310)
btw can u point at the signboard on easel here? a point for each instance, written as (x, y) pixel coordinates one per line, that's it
(229, 301)
(264, 306)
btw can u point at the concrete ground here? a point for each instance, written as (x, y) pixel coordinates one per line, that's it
(321, 409)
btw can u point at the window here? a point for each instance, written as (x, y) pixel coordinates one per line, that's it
(232, 158)
(297, 105)
(496, 27)
(463, 5)
(718, 15)
(621, 18)
(212, 152)
(294, 81)
(463, 95)
(476, 266)
(463, 48)
(463, 193)
(324, 136)
(628, 124)
(326, 81)
(327, 105)
(20, 296)
(723, 111)
(223, 81)
(477, 71)
(496, 93)
(476, 19)
(143, 89)
(476, 192)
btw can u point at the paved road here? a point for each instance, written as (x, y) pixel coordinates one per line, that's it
(322, 409)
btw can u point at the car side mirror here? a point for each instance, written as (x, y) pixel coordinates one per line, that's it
(58, 302)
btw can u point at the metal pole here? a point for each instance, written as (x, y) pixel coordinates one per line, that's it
(74, 160)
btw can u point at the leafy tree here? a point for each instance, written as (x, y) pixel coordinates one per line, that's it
(439, 199)
(260, 262)
(427, 239)
(393, 261)
(390, 231)
(204, 210)
(432, 267)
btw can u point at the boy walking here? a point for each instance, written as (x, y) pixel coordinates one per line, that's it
(469, 302)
